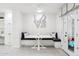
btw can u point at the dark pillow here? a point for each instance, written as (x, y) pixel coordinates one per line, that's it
(56, 35)
(22, 35)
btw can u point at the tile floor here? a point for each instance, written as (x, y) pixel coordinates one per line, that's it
(28, 51)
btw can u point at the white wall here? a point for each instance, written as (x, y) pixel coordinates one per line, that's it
(29, 26)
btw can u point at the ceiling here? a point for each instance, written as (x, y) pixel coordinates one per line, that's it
(32, 7)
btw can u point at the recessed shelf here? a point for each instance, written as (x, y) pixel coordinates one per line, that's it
(1, 17)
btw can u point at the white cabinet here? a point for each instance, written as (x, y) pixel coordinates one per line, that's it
(1, 29)
(65, 36)
(77, 32)
(8, 27)
(57, 44)
(69, 33)
(70, 41)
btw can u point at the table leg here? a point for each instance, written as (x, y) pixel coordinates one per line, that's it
(42, 46)
(38, 45)
(38, 48)
(34, 46)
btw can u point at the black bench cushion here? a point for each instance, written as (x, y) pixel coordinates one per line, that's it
(56, 40)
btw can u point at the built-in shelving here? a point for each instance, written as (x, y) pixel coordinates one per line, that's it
(69, 14)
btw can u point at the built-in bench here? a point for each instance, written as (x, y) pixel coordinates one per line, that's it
(35, 39)
(31, 38)
(55, 40)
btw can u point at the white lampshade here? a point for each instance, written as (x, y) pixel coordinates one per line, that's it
(39, 10)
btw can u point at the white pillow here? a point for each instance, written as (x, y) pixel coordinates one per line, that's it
(53, 35)
(25, 34)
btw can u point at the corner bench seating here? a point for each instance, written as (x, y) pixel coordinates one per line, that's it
(53, 38)
(56, 40)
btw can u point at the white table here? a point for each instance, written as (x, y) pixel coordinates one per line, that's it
(38, 44)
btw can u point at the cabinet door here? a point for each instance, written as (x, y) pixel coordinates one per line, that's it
(77, 32)
(70, 33)
(65, 32)
(1, 31)
(77, 36)
(8, 27)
